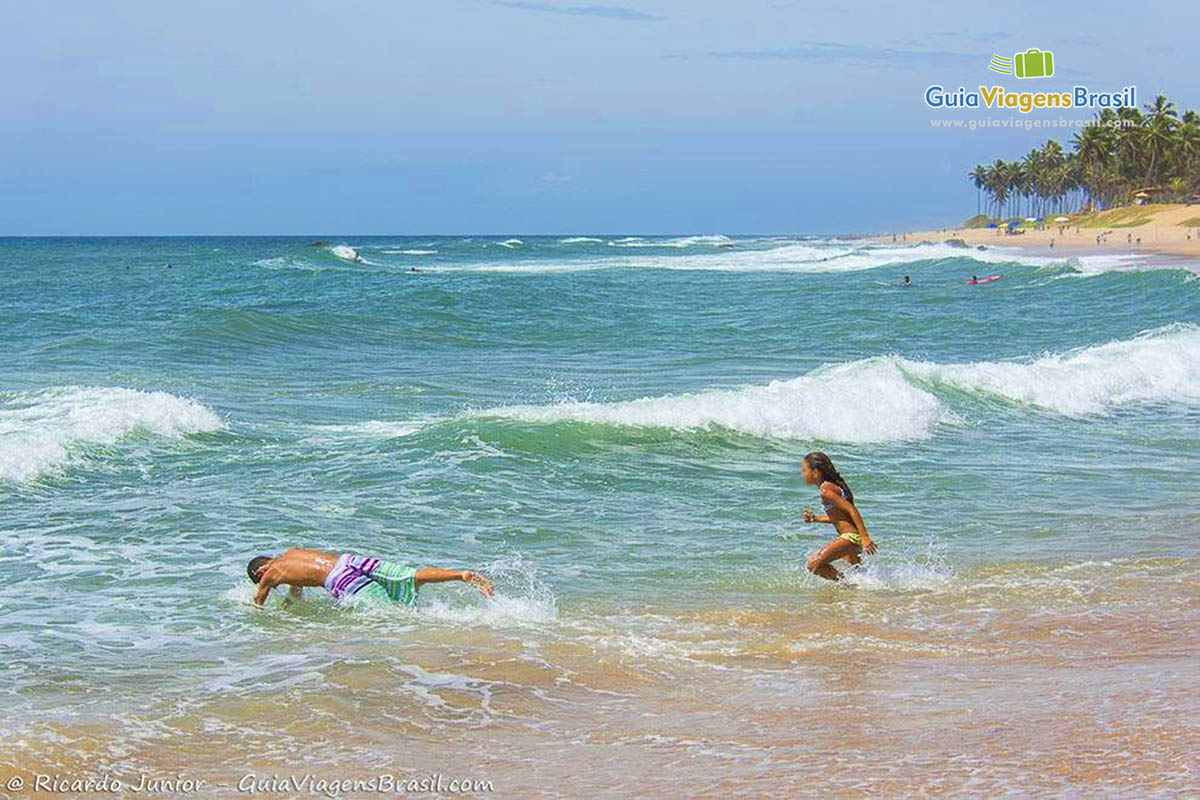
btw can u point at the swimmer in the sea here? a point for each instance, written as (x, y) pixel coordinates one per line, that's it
(346, 575)
(852, 540)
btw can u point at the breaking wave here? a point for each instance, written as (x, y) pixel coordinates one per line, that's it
(839, 403)
(1161, 365)
(38, 430)
(345, 252)
(889, 399)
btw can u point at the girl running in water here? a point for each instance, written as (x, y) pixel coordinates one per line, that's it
(852, 539)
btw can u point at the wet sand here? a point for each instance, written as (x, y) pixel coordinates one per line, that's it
(1029, 679)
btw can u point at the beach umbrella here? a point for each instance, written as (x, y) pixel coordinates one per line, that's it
(991, 225)
(1062, 219)
(1030, 219)
(1014, 223)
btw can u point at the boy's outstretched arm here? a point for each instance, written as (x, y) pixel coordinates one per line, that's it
(440, 575)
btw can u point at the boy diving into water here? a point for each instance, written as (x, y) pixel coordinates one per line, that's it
(346, 575)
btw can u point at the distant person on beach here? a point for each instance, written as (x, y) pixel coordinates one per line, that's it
(346, 575)
(852, 539)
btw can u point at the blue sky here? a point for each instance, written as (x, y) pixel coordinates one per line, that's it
(516, 116)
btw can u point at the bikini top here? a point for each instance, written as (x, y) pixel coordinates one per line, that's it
(830, 505)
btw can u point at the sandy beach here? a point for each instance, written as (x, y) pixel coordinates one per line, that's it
(1155, 229)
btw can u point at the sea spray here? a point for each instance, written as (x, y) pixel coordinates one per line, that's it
(521, 598)
(928, 571)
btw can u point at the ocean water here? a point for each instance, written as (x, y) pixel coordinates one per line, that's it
(610, 426)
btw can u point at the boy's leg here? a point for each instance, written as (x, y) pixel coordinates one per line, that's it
(398, 581)
(373, 593)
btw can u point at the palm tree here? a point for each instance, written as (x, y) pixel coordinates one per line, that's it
(1118, 152)
(978, 176)
(1187, 152)
(1157, 131)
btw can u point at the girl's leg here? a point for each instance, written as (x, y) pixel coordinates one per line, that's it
(838, 548)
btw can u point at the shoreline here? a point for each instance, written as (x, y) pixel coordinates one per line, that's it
(1161, 233)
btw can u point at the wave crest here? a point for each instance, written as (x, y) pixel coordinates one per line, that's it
(38, 429)
(890, 399)
(346, 253)
(862, 401)
(1161, 365)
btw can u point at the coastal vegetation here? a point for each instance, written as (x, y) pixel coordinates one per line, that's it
(1123, 156)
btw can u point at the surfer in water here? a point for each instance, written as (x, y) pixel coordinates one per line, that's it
(346, 575)
(852, 539)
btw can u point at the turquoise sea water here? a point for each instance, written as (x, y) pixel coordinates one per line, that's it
(610, 425)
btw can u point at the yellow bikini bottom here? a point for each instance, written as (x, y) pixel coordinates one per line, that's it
(854, 537)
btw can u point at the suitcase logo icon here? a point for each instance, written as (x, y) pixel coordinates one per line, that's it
(1033, 63)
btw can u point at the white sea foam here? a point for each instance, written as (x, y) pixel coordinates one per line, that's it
(679, 243)
(1116, 262)
(580, 240)
(511, 243)
(888, 398)
(410, 252)
(38, 429)
(855, 257)
(1161, 365)
(862, 401)
(880, 399)
(813, 256)
(345, 252)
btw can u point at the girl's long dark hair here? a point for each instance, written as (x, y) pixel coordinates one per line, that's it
(824, 465)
